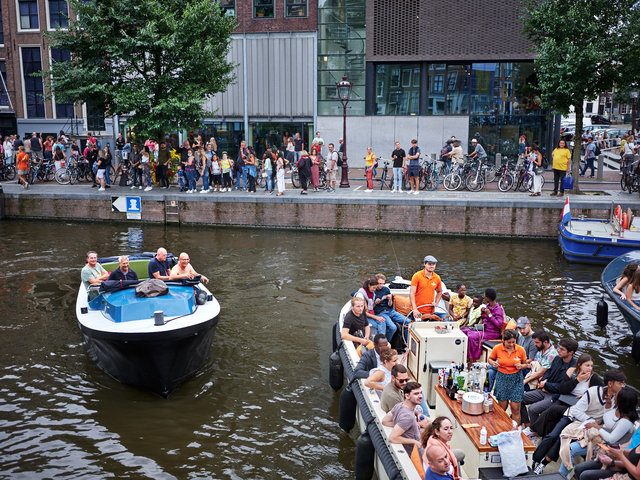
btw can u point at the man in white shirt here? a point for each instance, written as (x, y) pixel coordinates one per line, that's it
(332, 169)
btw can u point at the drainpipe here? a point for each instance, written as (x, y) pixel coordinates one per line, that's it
(244, 87)
(315, 85)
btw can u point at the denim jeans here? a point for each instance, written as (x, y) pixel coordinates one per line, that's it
(146, 169)
(137, 177)
(107, 180)
(245, 171)
(238, 179)
(269, 179)
(397, 178)
(191, 178)
(205, 180)
(182, 181)
(576, 449)
(588, 164)
(389, 327)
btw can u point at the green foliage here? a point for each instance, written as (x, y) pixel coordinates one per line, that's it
(584, 48)
(157, 60)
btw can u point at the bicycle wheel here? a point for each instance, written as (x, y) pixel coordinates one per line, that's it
(475, 183)
(452, 182)
(322, 180)
(433, 180)
(295, 179)
(422, 183)
(112, 173)
(506, 182)
(383, 179)
(406, 183)
(50, 174)
(261, 181)
(623, 182)
(523, 182)
(490, 174)
(530, 183)
(10, 172)
(62, 176)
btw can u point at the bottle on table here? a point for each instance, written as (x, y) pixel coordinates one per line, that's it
(483, 436)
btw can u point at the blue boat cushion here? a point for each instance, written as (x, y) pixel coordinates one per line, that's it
(124, 306)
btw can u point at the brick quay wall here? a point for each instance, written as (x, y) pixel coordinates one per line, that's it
(447, 213)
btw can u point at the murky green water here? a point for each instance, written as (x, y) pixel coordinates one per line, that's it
(262, 407)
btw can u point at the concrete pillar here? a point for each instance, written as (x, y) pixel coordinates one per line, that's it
(600, 167)
(498, 160)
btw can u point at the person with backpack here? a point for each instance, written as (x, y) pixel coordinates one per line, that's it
(536, 169)
(590, 153)
(445, 155)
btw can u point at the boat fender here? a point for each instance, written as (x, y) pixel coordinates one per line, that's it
(336, 371)
(348, 407)
(635, 348)
(336, 336)
(365, 453)
(201, 297)
(624, 221)
(602, 313)
(616, 212)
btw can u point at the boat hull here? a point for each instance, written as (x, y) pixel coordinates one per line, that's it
(158, 362)
(609, 278)
(592, 249)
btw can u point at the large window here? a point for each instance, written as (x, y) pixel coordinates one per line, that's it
(263, 9)
(4, 96)
(295, 8)
(28, 14)
(33, 89)
(63, 110)
(435, 95)
(1, 28)
(398, 89)
(341, 51)
(457, 88)
(58, 14)
(228, 6)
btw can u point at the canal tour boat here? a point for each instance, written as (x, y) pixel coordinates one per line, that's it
(432, 346)
(597, 241)
(610, 277)
(154, 343)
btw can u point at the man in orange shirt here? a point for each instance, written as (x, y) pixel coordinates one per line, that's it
(426, 289)
(23, 166)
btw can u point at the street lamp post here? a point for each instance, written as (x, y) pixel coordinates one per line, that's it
(634, 97)
(344, 92)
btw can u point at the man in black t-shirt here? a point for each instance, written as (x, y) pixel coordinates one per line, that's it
(123, 272)
(355, 326)
(160, 267)
(398, 157)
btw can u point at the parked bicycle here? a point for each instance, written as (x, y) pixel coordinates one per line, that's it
(385, 180)
(630, 180)
(7, 171)
(43, 171)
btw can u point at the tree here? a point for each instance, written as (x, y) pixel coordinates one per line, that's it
(155, 60)
(584, 48)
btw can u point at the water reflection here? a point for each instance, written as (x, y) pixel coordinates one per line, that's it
(261, 407)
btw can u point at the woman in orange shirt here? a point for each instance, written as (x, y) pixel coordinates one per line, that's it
(509, 359)
(23, 166)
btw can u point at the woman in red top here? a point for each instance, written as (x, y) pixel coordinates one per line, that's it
(48, 148)
(23, 166)
(509, 359)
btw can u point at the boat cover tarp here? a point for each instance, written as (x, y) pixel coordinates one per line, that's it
(152, 287)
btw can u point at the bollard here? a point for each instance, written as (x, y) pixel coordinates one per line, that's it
(498, 160)
(600, 167)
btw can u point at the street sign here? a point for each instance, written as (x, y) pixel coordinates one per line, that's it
(132, 206)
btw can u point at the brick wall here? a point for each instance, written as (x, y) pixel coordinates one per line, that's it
(248, 24)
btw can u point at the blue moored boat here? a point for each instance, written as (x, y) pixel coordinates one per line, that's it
(610, 276)
(589, 240)
(137, 345)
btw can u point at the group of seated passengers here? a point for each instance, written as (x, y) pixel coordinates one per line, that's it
(159, 267)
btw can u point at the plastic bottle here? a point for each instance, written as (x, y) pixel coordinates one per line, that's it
(420, 412)
(483, 436)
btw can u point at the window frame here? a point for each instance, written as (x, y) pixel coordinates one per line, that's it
(19, 16)
(8, 105)
(24, 86)
(228, 9)
(1, 28)
(54, 103)
(49, 27)
(254, 9)
(288, 3)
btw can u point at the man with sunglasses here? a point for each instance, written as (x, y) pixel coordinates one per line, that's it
(392, 393)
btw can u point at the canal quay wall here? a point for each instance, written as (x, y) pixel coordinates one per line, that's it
(445, 213)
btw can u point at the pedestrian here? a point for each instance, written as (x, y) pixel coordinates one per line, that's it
(536, 169)
(48, 148)
(216, 173)
(22, 159)
(304, 171)
(589, 158)
(280, 174)
(164, 159)
(134, 159)
(315, 168)
(100, 172)
(108, 163)
(225, 165)
(561, 166)
(146, 168)
(332, 169)
(59, 158)
(240, 167)
(190, 172)
(252, 173)
(205, 167)
(291, 151)
(414, 166)
(298, 146)
(267, 170)
(370, 161)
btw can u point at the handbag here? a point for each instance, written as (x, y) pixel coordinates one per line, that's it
(567, 183)
(538, 170)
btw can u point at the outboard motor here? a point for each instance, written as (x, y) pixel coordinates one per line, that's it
(336, 371)
(602, 313)
(365, 455)
(635, 348)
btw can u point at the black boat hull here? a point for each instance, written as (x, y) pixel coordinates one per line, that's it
(158, 362)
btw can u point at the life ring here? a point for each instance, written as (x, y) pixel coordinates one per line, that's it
(624, 221)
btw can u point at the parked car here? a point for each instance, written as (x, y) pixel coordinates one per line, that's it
(599, 120)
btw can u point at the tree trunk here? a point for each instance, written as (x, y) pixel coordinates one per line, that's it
(575, 158)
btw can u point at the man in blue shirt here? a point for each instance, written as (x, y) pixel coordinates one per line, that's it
(478, 150)
(160, 267)
(383, 307)
(589, 157)
(123, 272)
(414, 166)
(439, 464)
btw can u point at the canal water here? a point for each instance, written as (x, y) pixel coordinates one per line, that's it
(262, 407)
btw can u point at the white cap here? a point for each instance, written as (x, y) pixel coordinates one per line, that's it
(474, 141)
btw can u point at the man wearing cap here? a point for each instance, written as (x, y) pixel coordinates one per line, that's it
(426, 289)
(478, 151)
